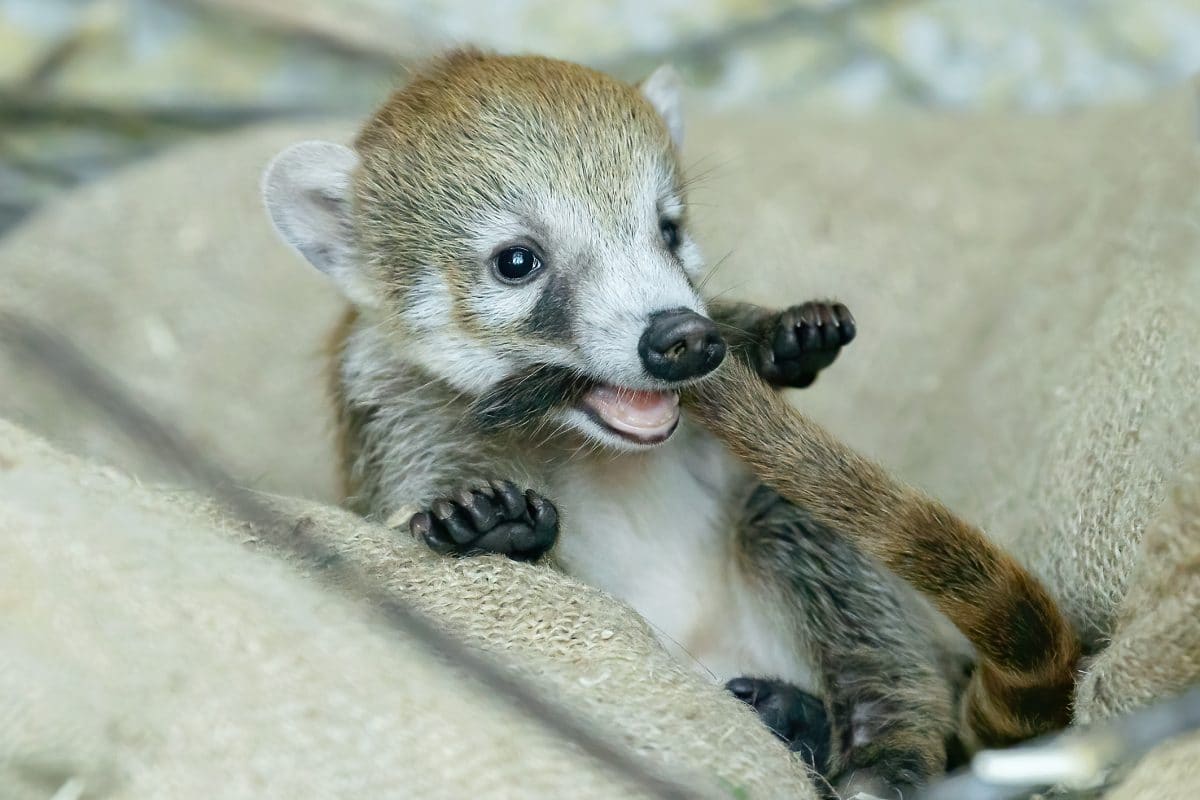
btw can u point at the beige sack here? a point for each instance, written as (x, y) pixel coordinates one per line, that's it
(147, 650)
(1027, 294)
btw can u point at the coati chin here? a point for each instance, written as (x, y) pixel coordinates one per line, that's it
(512, 233)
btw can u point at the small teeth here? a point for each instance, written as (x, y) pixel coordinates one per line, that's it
(644, 415)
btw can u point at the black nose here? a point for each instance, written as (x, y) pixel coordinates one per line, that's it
(680, 344)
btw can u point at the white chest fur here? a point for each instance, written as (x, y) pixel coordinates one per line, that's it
(656, 530)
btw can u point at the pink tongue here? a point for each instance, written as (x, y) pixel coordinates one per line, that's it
(635, 411)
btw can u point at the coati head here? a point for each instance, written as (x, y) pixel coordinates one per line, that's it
(516, 226)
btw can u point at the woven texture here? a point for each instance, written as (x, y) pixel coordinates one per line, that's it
(149, 649)
(1027, 295)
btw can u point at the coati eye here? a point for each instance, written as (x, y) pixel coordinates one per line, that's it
(516, 264)
(670, 233)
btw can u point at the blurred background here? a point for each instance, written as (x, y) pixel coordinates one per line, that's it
(87, 86)
(1028, 275)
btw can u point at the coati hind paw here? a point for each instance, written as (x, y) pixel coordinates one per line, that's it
(802, 341)
(792, 714)
(494, 518)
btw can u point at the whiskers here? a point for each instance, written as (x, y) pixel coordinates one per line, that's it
(525, 399)
(712, 271)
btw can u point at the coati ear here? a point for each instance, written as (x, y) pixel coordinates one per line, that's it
(307, 191)
(663, 88)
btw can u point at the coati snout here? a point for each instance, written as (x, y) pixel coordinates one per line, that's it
(676, 347)
(680, 345)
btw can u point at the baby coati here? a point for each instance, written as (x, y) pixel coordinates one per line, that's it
(513, 235)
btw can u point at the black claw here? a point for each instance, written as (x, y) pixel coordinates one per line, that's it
(805, 340)
(497, 519)
(825, 315)
(442, 510)
(419, 524)
(511, 498)
(425, 527)
(809, 337)
(543, 512)
(786, 344)
(545, 523)
(845, 323)
(480, 509)
(460, 527)
(831, 339)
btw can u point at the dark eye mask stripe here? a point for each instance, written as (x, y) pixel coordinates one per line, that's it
(551, 317)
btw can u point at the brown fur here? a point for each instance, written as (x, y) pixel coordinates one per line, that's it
(474, 134)
(467, 111)
(1028, 653)
(345, 437)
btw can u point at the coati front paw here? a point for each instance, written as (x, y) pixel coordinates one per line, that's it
(792, 714)
(802, 341)
(494, 518)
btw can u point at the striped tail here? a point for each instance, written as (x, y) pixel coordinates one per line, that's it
(1028, 653)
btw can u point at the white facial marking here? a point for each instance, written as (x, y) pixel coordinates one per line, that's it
(615, 305)
(429, 303)
(464, 364)
(440, 348)
(624, 277)
(504, 301)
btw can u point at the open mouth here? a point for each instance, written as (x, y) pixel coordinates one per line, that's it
(636, 415)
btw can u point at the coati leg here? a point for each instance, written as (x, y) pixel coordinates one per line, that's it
(1028, 654)
(786, 348)
(889, 709)
(494, 518)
